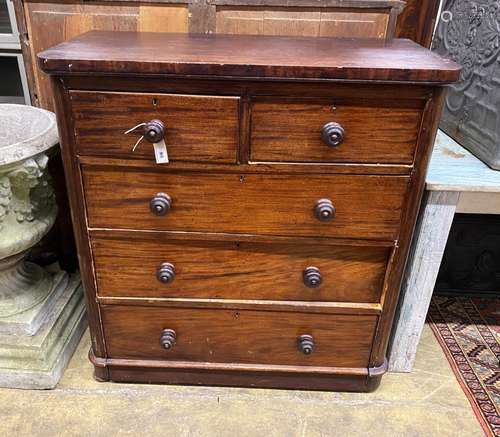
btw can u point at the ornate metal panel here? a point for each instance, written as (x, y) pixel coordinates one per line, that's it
(469, 33)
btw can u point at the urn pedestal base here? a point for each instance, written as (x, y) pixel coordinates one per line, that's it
(23, 286)
(42, 314)
(36, 345)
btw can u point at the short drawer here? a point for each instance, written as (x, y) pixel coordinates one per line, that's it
(160, 267)
(238, 336)
(307, 131)
(359, 206)
(196, 128)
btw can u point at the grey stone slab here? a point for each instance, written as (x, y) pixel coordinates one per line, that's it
(415, 404)
(152, 410)
(405, 405)
(38, 361)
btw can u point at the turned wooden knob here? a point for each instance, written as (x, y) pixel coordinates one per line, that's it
(167, 339)
(332, 134)
(324, 210)
(165, 273)
(154, 131)
(160, 204)
(312, 277)
(305, 344)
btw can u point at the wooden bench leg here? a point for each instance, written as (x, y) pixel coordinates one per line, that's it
(429, 242)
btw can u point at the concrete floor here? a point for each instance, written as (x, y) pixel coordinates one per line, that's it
(428, 402)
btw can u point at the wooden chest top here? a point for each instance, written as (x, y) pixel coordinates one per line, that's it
(269, 248)
(248, 56)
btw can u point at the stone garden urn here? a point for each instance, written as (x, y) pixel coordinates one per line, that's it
(42, 312)
(27, 204)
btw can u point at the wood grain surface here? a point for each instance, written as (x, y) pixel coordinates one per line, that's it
(198, 128)
(49, 23)
(227, 336)
(300, 21)
(289, 130)
(410, 212)
(147, 372)
(78, 218)
(237, 270)
(417, 21)
(399, 94)
(69, 19)
(366, 206)
(240, 236)
(248, 56)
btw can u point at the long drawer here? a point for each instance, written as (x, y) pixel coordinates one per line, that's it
(349, 206)
(160, 267)
(196, 128)
(238, 336)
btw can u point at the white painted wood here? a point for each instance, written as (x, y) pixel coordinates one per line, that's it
(431, 234)
(479, 203)
(453, 168)
(456, 181)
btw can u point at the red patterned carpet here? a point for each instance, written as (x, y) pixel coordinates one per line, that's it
(468, 330)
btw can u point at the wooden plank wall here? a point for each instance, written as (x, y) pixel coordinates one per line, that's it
(45, 24)
(51, 23)
(300, 21)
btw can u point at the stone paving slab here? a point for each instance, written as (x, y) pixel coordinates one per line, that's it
(426, 403)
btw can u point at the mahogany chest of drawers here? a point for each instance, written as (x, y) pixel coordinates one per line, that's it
(268, 251)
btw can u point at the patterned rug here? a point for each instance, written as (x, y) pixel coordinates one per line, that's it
(468, 330)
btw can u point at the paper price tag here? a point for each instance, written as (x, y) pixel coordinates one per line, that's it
(161, 154)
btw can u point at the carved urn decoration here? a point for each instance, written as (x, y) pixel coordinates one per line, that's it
(27, 204)
(42, 314)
